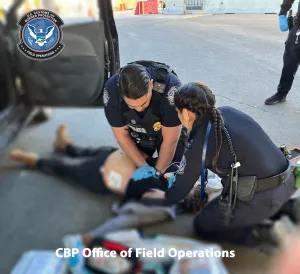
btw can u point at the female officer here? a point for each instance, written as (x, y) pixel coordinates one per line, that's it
(255, 173)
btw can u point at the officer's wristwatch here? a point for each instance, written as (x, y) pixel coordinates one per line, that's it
(158, 174)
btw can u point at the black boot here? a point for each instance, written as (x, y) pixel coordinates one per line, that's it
(291, 209)
(295, 216)
(276, 98)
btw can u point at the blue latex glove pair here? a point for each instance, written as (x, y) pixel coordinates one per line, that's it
(143, 172)
(283, 23)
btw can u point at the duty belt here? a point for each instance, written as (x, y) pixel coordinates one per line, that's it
(275, 181)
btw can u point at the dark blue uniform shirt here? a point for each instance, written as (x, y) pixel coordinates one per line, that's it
(286, 6)
(256, 152)
(114, 106)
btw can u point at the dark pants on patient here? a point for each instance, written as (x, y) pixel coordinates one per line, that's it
(265, 204)
(82, 166)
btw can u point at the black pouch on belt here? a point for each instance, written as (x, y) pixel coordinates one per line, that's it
(247, 186)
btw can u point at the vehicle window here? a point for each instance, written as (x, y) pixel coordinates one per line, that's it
(68, 10)
(55, 81)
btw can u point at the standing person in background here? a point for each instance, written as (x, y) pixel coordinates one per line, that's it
(291, 57)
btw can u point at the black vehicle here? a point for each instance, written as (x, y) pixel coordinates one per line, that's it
(74, 78)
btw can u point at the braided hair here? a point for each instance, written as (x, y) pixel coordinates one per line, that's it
(199, 99)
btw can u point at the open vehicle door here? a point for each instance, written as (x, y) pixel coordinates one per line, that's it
(76, 76)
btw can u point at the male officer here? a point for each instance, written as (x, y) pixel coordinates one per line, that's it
(139, 107)
(291, 58)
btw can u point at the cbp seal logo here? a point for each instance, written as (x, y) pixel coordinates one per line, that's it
(40, 34)
(105, 97)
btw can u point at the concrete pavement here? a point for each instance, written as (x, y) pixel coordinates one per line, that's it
(238, 56)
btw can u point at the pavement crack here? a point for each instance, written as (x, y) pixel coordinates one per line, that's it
(251, 105)
(245, 104)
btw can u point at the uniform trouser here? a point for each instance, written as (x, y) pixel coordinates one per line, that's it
(82, 166)
(291, 61)
(264, 205)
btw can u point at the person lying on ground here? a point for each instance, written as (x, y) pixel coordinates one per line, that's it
(103, 170)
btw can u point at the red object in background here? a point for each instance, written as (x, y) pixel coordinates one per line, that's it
(123, 6)
(146, 7)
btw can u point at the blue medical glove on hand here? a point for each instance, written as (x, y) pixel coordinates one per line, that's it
(283, 23)
(171, 181)
(143, 172)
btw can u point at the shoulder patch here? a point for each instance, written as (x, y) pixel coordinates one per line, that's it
(170, 95)
(105, 97)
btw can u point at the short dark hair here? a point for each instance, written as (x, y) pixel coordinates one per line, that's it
(134, 81)
(199, 99)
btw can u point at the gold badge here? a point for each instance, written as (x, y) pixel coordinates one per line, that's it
(157, 126)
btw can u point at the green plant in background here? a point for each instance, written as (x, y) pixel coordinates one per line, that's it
(297, 176)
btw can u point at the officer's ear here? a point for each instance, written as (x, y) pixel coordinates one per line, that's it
(186, 114)
(151, 85)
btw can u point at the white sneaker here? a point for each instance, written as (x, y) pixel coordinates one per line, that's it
(76, 264)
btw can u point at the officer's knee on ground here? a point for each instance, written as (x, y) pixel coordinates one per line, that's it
(117, 171)
(201, 227)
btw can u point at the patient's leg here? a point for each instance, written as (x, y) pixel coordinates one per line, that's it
(63, 143)
(81, 171)
(110, 169)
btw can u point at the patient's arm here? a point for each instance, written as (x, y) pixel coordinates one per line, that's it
(154, 195)
(192, 203)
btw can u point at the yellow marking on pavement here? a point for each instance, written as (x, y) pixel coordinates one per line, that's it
(195, 16)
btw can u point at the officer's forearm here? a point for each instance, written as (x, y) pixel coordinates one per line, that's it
(286, 6)
(166, 154)
(131, 150)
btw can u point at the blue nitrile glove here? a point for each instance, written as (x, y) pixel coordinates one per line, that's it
(283, 23)
(171, 181)
(143, 172)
